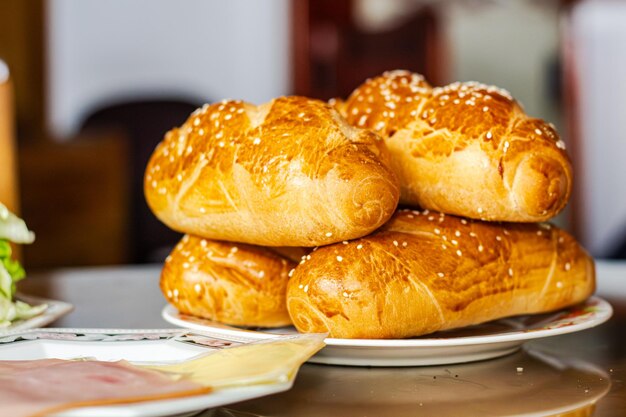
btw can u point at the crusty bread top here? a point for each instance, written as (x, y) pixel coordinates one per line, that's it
(386, 103)
(515, 165)
(395, 99)
(263, 168)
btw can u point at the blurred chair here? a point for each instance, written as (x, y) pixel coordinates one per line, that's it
(144, 123)
(8, 168)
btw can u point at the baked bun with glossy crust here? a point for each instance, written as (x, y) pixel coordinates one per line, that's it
(291, 172)
(426, 271)
(236, 284)
(466, 148)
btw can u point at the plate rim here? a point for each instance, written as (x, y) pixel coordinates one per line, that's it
(605, 313)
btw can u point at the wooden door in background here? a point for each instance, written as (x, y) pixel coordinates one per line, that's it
(333, 54)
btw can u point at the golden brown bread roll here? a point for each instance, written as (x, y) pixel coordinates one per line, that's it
(288, 173)
(425, 271)
(466, 148)
(235, 284)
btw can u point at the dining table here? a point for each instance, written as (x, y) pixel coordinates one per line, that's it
(574, 375)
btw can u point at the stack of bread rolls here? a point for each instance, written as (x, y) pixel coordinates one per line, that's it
(291, 211)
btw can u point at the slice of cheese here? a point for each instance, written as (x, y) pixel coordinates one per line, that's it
(265, 362)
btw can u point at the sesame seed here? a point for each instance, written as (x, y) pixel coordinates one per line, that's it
(488, 135)
(221, 144)
(306, 288)
(457, 233)
(437, 231)
(463, 221)
(560, 144)
(568, 266)
(498, 238)
(395, 243)
(559, 284)
(228, 116)
(329, 234)
(197, 287)
(290, 274)
(510, 272)
(339, 258)
(539, 233)
(485, 109)
(440, 274)
(454, 242)
(472, 234)
(458, 252)
(345, 294)
(480, 248)
(479, 210)
(175, 292)
(256, 141)
(345, 242)
(261, 274)
(202, 210)
(404, 244)
(169, 294)
(443, 246)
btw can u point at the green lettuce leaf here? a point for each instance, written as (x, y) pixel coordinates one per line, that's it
(14, 229)
(18, 310)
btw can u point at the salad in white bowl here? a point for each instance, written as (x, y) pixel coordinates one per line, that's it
(13, 230)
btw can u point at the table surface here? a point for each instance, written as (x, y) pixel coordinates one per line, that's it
(585, 370)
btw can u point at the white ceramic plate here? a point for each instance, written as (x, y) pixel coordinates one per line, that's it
(136, 346)
(474, 343)
(55, 310)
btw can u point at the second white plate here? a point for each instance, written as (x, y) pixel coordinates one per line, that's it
(485, 341)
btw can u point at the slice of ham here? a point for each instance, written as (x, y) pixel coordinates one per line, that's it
(41, 387)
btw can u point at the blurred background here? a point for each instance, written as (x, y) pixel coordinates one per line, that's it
(90, 87)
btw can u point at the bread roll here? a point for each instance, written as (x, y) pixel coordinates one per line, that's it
(288, 173)
(425, 271)
(235, 284)
(466, 148)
